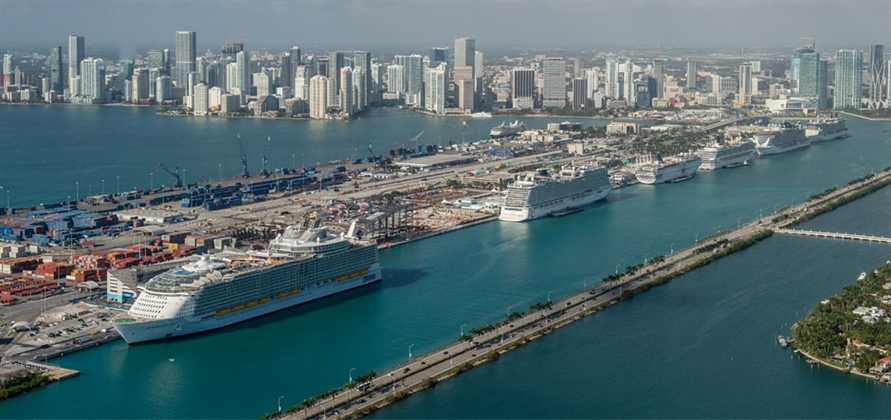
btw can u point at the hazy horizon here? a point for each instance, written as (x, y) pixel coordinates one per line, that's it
(134, 27)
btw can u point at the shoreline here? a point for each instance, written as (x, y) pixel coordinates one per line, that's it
(825, 363)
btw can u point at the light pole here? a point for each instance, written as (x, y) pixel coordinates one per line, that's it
(617, 268)
(696, 241)
(220, 165)
(184, 178)
(280, 403)
(462, 329)
(351, 374)
(119, 184)
(392, 381)
(645, 257)
(409, 353)
(508, 311)
(77, 190)
(103, 187)
(671, 252)
(549, 295)
(151, 180)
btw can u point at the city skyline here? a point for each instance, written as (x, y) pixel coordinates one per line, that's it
(675, 23)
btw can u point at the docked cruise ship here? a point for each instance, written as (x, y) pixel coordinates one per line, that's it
(826, 129)
(302, 264)
(726, 154)
(507, 130)
(673, 169)
(535, 195)
(780, 139)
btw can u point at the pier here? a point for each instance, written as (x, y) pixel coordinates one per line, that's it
(837, 235)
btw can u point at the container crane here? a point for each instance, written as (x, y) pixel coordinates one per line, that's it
(244, 171)
(415, 140)
(265, 159)
(174, 173)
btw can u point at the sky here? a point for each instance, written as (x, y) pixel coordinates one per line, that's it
(364, 24)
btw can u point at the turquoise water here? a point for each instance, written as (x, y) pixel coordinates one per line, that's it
(666, 353)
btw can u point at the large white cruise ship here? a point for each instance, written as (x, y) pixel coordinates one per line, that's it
(826, 129)
(726, 154)
(300, 265)
(673, 169)
(535, 195)
(780, 139)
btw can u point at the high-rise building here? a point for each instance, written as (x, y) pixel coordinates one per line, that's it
(439, 55)
(876, 74)
(263, 83)
(360, 98)
(553, 83)
(612, 78)
(200, 99)
(579, 93)
(745, 84)
(812, 78)
(7, 65)
(75, 56)
(658, 75)
(56, 75)
(318, 97)
(185, 56)
(287, 77)
(713, 84)
(140, 86)
(848, 79)
(888, 84)
(346, 91)
(377, 77)
(92, 80)
(125, 68)
(434, 88)
(464, 82)
(522, 88)
(478, 66)
(578, 68)
(465, 52)
(243, 72)
(155, 59)
(593, 81)
(362, 68)
(395, 79)
(628, 84)
(163, 89)
(795, 65)
(335, 63)
(691, 74)
(413, 75)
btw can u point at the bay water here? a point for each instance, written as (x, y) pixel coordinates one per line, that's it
(701, 346)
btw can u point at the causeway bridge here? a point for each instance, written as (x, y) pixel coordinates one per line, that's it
(837, 235)
(727, 123)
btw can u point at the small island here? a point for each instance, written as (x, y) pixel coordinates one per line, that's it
(852, 331)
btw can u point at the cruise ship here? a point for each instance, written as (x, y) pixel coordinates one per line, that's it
(507, 130)
(673, 169)
(535, 195)
(300, 265)
(780, 139)
(726, 154)
(826, 129)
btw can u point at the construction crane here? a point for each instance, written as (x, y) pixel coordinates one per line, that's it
(174, 173)
(244, 171)
(265, 159)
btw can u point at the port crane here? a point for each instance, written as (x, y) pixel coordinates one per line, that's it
(415, 140)
(265, 159)
(174, 173)
(244, 170)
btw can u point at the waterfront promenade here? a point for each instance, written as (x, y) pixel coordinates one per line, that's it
(442, 363)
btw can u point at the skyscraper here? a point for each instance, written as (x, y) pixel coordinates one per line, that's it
(628, 84)
(812, 78)
(579, 93)
(75, 56)
(361, 90)
(318, 96)
(464, 82)
(434, 88)
(578, 68)
(554, 83)
(155, 59)
(522, 88)
(362, 68)
(876, 73)
(691, 75)
(478, 66)
(413, 75)
(335, 63)
(657, 75)
(848, 79)
(200, 99)
(92, 80)
(243, 72)
(612, 78)
(465, 52)
(593, 81)
(185, 56)
(395, 78)
(795, 66)
(745, 84)
(7, 64)
(439, 55)
(56, 76)
(346, 91)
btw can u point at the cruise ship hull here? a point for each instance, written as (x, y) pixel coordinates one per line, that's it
(672, 172)
(520, 214)
(714, 158)
(160, 329)
(787, 147)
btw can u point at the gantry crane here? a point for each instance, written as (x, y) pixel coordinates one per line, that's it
(174, 173)
(244, 171)
(265, 159)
